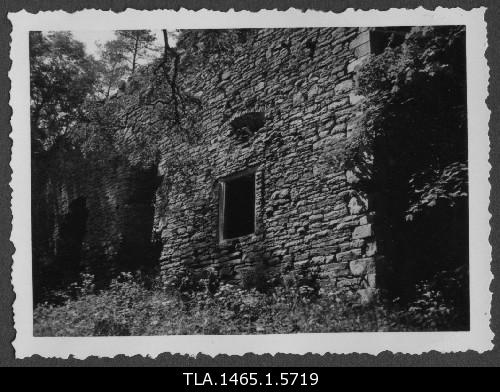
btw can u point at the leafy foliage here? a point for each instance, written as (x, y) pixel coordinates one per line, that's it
(156, 103)
(103, 114)
(440, 303)
(447, 185)
(127, 308)
(114, 67)
(88, 117)
(135, 45)
(408, 152)
(132, 123)
(409, 147)
(62, 77)
(414, 123)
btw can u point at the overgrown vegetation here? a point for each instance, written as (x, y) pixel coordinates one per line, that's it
(155, 104)
(128, 308)
(408, 153)
(109, 114)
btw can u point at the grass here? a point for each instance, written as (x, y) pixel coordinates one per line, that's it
(127, 308)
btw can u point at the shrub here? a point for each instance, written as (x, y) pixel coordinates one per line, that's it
(257, 278)
(439, 303)
(128, 308)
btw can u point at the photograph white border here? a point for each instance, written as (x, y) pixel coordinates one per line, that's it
(480, 336)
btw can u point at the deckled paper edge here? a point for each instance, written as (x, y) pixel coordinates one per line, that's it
(478, 339)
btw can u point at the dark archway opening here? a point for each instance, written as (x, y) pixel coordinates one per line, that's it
(140, 248)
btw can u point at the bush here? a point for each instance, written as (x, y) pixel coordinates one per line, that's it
(440, 303)
(128, 308)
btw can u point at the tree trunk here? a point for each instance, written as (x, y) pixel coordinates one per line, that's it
(136, 48)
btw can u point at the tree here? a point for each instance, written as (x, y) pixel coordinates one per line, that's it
(114, 66)
(135, 44)
(62, 77)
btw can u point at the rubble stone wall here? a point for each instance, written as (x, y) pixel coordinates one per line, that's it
(89, 217)
(307, 212)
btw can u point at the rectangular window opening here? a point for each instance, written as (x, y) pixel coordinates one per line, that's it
(238, 206)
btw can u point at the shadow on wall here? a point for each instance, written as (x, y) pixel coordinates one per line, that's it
(85, 232)
(64, 268)
(72, 234)
(140, 250)
(129, 228)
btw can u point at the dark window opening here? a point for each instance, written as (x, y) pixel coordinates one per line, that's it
(384, 37)
(245, 126)
(238, 206)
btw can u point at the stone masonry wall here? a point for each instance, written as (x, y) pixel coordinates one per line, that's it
(93, 217)
(307, 212)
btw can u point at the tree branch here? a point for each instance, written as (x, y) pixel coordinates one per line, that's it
(168, 50)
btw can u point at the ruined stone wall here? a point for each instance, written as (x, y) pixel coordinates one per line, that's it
(307, 213)
(89, 216)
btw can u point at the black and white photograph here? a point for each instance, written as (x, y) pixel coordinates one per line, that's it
(251, 180)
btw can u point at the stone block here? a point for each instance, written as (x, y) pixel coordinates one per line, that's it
(362, 267)
(371, 280)
(301, 263)
(364, 231)
(355, 99)
(298, 98)
(367, 296)
(358, 243)
(362, 50)
(260, 86)
(337, 270)
(313, 91)
(351, 177)
(344, 87)
(338, 103)
(371, 248)
(330, 259)
(316, 218)
(361, 39)
(356, 206)
(366, 219)
(338, 129)
(348, 255)
(301, 230)
(355, 65)
(317, 260)
(336, 49)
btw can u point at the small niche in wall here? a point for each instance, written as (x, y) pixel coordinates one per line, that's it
(237, 206)
(244, 127)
